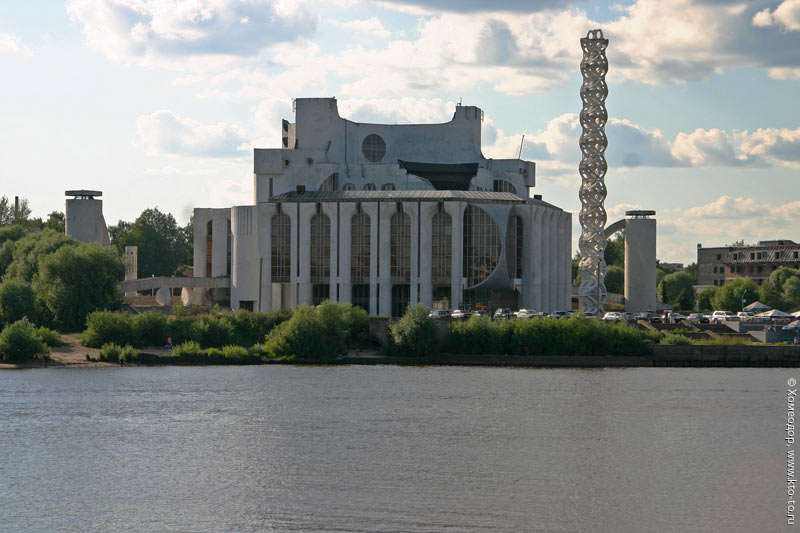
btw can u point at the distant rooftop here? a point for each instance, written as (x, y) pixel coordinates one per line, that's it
(83, 193)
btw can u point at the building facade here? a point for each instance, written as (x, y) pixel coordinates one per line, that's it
(385, 215)
(717, 266)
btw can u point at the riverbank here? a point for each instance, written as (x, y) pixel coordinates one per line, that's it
(73, 355)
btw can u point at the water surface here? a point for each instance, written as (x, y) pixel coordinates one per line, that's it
(384, 448)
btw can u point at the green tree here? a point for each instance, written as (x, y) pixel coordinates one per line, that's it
(163, 245)
(729, 296)
(32, 247)
(76, 280)
(615, 250)
(615, 279)
(692, 271)
(19, 342)
(55, 221)
(773, 290)
(791, 292)
(706, 298)
(415, 333)
(10, 213)
(677, 289)
(16, 301)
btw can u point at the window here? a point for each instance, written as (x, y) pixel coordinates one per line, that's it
(503, 186)
(441, 247)
(209, 247)
(373, 147)
(369, 186)
(719, 257)
(281, 244)
(247, 305)
(331, 183)
(387, 187)
(360, 296)
(481, 245)
(319, 293)
(401, 294)
(320, 248)
(514, 247)
(359, 248)
(400, 247)
(715, 270)
(349, 187)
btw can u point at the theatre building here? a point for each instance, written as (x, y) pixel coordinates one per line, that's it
(383, 215)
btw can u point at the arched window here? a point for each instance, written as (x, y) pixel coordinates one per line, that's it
(359, 248)
(441, 247)
(348, 187)
(503, 186)
(514, 247)
(209, 246)
(401, 247)
(320, 248)
(481, 245)
(331, 183)
(373, 147)
(387, 187)
(280, 231)
(369, 186)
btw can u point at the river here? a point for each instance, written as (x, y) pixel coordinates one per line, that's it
(388, 448)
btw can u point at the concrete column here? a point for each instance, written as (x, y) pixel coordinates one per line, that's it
(329, 208)
(549, 241)
(559, 261)
(412, 210)
(291, 210)
(245, 256)
(456, 212)
(640, 264)
(346, 212)
(371, 209)
(201, 217)
(567, 260)
(387, 209)
(307, 210)
(265, 214)
(219, 246)
(427, 212)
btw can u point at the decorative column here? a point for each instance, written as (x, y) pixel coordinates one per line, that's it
(593, 142)
(456, 212)
(346, 212)
(384, 242)
(427, 211)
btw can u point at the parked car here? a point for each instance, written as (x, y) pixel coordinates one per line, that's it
(613, 316)
(700, 318)
(439, 313)
(503, 313)
(718, 317)
(561, 314)
(745, 315)
(457, 313)
(677, 318)
(629, 316)
(524, 313)
(479, 312)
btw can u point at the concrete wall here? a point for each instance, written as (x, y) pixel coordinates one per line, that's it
(84, 220)
(640, 264)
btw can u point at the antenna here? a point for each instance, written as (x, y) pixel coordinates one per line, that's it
(459, 100)
(519, 155)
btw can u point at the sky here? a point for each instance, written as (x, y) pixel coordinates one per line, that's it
(159, 103)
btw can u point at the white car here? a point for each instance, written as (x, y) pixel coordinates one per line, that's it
(613, 316)
(457, 313)
(718, 317)
(744, 315)
(439, 313)
(524, 313)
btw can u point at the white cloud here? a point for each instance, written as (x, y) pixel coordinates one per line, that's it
(786, 15)
(11, 44)
(164, 133)
(188, 32)
(371, 28)
(405, 110)
(726, 207)
(780, 146)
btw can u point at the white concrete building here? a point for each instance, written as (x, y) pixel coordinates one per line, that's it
(383, 215)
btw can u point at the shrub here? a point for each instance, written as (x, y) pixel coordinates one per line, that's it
(182, 329)
(19, 343)
(238, 355)
(16, 301)
(415, 333)
(674, 338)
(49, 337)
(187, 348)
(110, 352)
(250, 327)
(302, 336)
(214, 331)
(150, 329)
(128, 354)
(106, 326)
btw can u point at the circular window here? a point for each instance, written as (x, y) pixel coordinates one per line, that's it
(373, 147)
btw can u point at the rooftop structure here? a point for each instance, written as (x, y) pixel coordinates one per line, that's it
(718, 265)
(84, 219)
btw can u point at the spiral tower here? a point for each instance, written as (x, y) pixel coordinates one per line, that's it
(593, 142)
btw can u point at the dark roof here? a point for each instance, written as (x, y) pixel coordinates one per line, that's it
(443, 176)
(83, 193)
(396, 196)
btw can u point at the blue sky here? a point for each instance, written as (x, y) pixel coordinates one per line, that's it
(159, 103)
